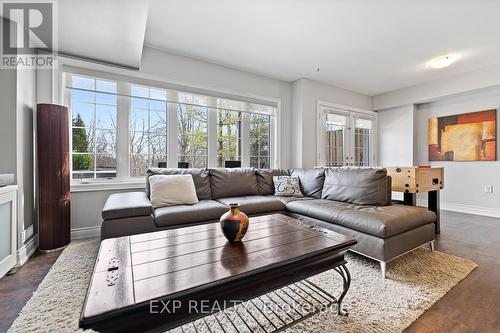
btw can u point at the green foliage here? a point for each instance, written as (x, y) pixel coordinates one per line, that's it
(228, 133)
(80, 144)
(82, 162)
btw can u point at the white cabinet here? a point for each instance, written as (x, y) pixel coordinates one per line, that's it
(8, 222)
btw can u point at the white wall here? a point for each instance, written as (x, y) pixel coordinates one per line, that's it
(26, 106)
(436, 90)
(306, 94)
(395, 136)
(462, 93)
(18, 97)
(464, 181)
(8, 87)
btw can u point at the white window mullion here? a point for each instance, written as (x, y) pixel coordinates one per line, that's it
(245, 139)
(212, 132)
(172, 109)
(122, 133)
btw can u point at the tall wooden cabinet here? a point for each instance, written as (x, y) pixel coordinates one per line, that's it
(54, 196)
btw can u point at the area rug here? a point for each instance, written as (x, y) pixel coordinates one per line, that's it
(414, 282)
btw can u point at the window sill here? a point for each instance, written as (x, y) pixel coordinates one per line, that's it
(108, 186)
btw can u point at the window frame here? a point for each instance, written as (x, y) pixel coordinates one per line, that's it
(68, 101)
(122, 150)
(351, 113)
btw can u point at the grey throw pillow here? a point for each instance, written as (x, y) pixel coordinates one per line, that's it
(286, 186)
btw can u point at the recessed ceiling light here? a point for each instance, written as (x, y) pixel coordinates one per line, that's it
(443, 61)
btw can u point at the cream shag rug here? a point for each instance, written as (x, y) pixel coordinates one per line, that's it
(414, 282)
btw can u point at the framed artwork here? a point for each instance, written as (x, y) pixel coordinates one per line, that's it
(463, 137)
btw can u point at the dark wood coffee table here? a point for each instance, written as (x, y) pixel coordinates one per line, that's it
(175, 270)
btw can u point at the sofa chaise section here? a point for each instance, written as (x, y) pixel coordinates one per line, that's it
(126, 214)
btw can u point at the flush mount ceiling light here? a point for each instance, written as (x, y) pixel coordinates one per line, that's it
(443, 61)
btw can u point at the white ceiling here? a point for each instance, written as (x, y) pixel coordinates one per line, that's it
(109, 31)
(366, 46)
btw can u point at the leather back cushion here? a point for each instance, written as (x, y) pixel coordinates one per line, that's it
(265, 179)
(233, 182)
(358, 186)
(311, 181)
(201, 179)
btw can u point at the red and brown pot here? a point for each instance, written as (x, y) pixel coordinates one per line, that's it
(234, 224)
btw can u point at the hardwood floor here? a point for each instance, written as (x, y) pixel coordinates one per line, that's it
(16, 289)
(472, 306)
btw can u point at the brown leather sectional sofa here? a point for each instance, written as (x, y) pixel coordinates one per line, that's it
(354, 202)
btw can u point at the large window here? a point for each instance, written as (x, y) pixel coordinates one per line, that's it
(121, 129)
(93, 110)
(228, 137)
(260, 141)
(192, 131)
(148, 129)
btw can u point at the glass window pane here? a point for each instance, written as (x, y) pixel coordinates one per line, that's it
(139, 91)
(138, 120)
(138, 165)
(80, 140)
(82, 162)
(154, 159)
(82, 114)
(334, 146)
(139, 103)
(82, 96)
(336, 119)
(139, 143)
(105, 117)
(228, 136)
(107, 99)
(105, 141)
(260, 126)
(157, 105)
(157, 94)
(192, 135)
(82, 82)
(158, 143)
(158, 120)
(364, 123)
(105, 165)
(106, 86)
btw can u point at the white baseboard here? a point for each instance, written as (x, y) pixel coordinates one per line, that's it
(461, 208)
(85, 232)
(26, 251)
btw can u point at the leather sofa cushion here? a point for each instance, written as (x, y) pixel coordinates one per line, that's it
(286, 200)
(201, 179)
(126, 204)
(255, 204)
(380, 221)
(235, 182)
(265, 179)
(359, 186)
(311, 181)
(204, 210)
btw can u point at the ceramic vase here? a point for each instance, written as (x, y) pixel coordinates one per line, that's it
(234, 224)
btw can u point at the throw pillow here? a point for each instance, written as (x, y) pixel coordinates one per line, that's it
(170, 190)
(287, 186)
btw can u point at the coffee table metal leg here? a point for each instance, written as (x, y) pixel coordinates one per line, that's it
(346, 277)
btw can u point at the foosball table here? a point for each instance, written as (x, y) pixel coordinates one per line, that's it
(413, 180)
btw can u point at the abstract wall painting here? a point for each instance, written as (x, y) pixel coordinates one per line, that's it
(463, 137)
